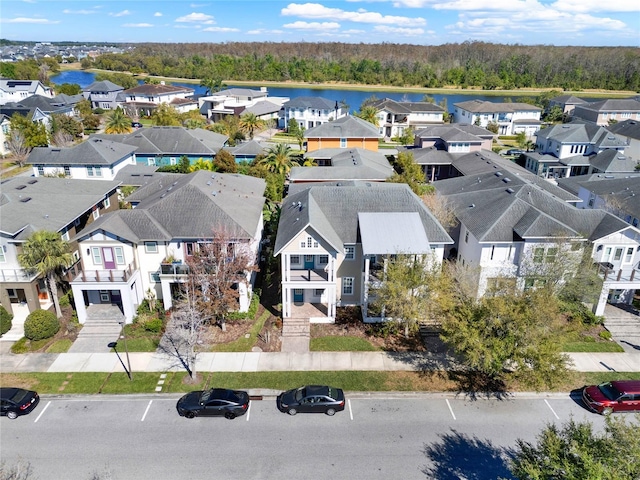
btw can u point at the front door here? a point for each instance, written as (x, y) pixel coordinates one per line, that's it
(308, 262)
(298, 295)
(109, 260)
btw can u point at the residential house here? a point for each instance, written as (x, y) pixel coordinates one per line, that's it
(567, 103)
(104, 94)
(396, 117)
(95, 159)
(576, 148)
(131, 254)
(18, 90)
(605, 112)
(630, 131)
(332, 240)
(345, 132)
(247, 151)
(345, 165)
(5, 129)
(266, 110)
(511, 230)
(234, 101)
(309, 112)
(47, 105)
(161, 146)
(147, 97)
(511, 117)
(32, 113)
(55, 204)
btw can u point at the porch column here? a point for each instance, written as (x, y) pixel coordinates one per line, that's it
(167, 301)
(285, 302)
(602, 300)
(127, 304)
(78, 300)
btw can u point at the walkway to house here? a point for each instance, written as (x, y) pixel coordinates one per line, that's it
(295, 335)
(623, 321)
(103, 325)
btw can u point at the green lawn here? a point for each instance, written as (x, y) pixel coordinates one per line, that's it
(244, 344)
(592, 347)
(340, 344)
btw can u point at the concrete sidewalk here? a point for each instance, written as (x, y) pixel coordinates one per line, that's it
(262, 361)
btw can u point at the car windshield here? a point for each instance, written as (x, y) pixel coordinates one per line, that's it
(609, 391)
(219, 394)
(333, 393)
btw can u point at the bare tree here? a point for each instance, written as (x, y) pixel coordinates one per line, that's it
(440, 207)
(20, 471)
(62, 139)
(18, 146)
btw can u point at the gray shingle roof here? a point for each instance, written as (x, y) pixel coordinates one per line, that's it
(136, 175)
(480, 106)
(190, 207)
(157, 89)
(612, 161)
(318, 103)
(171, 140)
(437, 131)
(262, 107)
(352, 164)
(95, 151)
(332, 211)
(626, 190)
(568, 100)
(612, 105)
(53, 202)
(628, 128)
(103, 86)
(578, 132)
(344, 127)
(252, 147)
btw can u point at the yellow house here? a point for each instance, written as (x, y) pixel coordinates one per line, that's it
(346, 132)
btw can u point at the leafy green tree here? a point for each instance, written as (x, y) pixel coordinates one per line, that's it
(35, 133)
(407, 137)
(493, 127)
(293, 128)
(521, 139)
(193, 119)
(7, 70)
(84, 107)
(229, 126)
(554, 114)
(125, 80)
(45, 253)
(5, 320)
(66, 124)
(86, 63)
(368, 113)
(224, 162)
(409, 172)
(117, 122)
(69, 89)
(249, 123)
(202, 164)
(575, 452)
(212, 85)
(279, 159)
(91, 121)
(165, 116)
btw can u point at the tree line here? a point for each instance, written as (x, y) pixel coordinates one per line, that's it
(479, 64)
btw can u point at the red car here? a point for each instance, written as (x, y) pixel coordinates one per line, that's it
(614, 396)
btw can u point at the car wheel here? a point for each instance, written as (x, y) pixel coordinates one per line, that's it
(331, 412)
(607, 411)
(12, 415)
(292, 411)
(189, 414)
(230, 415)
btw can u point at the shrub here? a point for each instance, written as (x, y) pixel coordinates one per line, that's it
(5, 320)
(20, 346)
(249, 314)
(605, 335)
(577, 311)
(66, 300)
(153, 325)
(98, 111)
(41, 324)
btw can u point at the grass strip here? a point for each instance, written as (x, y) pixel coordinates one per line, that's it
(332, 343)
(244, 344)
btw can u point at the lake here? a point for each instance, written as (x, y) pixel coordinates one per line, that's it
(353, 98)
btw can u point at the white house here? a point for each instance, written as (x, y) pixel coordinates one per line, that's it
(17, 90)
(235, 101)
(146, 97)
(309, 112)
(396, 117)
(511, 118)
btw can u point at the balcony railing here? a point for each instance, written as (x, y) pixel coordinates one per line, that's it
(108, 276)
(174, 269)
(308, 275)
(17, 275)
(608, 273)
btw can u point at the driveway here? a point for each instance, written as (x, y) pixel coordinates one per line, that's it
(623, 322)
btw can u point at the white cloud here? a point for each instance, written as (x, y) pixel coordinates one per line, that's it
(157, 14)
(123, 13)
(407, 32)
(317, 11)
(581, 6)
(300, 25)
(41, 21)
(264, 31)
(196, 18)
(138, 25)
(79, 12)
(220, 29)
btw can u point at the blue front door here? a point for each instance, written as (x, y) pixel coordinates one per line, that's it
(298, 295)
(308, 262)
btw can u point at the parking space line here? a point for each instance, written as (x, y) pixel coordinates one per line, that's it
(249, 411)
(552, 410)
(146, 411)
(450, 409)
(350, 410)
(43, 410)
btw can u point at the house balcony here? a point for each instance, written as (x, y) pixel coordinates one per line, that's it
(308, 275)
(629, 274)
(106, 276)
(174, 269)
(17, 275)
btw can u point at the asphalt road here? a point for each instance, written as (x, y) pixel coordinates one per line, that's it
(429, 436)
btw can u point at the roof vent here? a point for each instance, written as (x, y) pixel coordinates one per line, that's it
(498, 174)
(163, 195)
(214, 193)
(209, 182)
(20, 187)
(31, 182)
(473, 205)
(506, 179)
(174, 183)
(510, 190)
(25, 199)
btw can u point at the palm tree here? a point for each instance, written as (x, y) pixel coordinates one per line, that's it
(47, 254)
(212, 85)
(278, 159)
(249, 122)
(369, 114)
(118, 122)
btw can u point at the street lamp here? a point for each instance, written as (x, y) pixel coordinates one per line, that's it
(126, 350)
(114, 345)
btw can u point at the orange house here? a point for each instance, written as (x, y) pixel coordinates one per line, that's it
(346, 132)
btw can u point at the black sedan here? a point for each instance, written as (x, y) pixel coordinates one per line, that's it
(17, 401)
(214, 402)
(311, 399)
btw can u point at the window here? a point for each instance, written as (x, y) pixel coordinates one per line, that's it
(323, 259)
(528, 283)
(349, 253)
(98, 171)
(629, 255)
(538, 255)
(172, 161)
(41, 170)
(65, 236)
(90, 172)
(76, 255)
(96, 213)
(466, 237)
(551, 255)
(119, 255)
(151, 162)
(2, 256)
(318, 292)
(309, 242)
(154, 277)
(347, 286)
(151, 247)
(189, 248)
(295, 259)
(67, 171)
(343, 143)
(97, 257)
(107, 202)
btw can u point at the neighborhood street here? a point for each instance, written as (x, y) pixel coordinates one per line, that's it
(378, 436)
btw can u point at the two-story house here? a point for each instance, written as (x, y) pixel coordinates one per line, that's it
(630, 131)
(512, 230)
(309, 112)
(345, 132)
(17, 90)
(396, 117)
(511, 117)
(236, 101)
(104, 94)
(131, 254)
(55, 204)
(332, 240)
(95, 159)
(605, 112)
(145, 98)
(567, 103)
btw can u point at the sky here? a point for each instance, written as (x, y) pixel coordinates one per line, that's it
(420, 22)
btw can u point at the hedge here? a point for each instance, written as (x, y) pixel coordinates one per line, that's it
(5, 320)
(41, 324)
